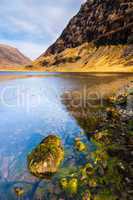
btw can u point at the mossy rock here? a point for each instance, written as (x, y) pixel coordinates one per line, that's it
(112, 113)
(130, 124)
(73, 186)
(64, 184)
(70, 186)
(130, 133)
(87, 170)
(19, 191)
(105, 195)
(119, 100)
(102, 137)
(79, 145)
(130, 91)
(45, 159)
(99, 156)
(92, 182)
(86, 195)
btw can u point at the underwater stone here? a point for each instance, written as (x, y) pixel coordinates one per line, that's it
(86, 195)
(73, 186)
(79, 145)
(70, 186)
(45, 159)
(64, 183)
(19, 191)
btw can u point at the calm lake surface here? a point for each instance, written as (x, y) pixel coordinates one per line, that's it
(31, 108)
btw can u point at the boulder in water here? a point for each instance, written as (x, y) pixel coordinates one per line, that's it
(45, 159)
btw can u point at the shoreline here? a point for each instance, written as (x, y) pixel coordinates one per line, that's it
(65, 71)
(113, 83)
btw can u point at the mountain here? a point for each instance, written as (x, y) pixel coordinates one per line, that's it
(99, 36)
(10, 56)
(101, 21)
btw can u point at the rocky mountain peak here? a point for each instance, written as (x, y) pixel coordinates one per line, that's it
(100, 21)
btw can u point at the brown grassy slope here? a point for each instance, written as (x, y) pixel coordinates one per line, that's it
(89, 58)
(10, 57)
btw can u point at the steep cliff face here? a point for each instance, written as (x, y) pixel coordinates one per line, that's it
(10, 56)
(100, 21)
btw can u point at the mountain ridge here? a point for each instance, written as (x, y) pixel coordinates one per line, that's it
(100, 21)
(11, 56)
(99, 38)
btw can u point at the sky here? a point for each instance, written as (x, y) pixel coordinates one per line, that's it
(33, 25)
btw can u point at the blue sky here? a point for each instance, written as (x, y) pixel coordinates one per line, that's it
(33, 25)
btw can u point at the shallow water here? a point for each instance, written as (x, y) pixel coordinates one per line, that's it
(31, 108)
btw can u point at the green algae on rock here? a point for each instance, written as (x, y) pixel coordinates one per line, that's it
(73, 186)
(45, 159)
(87, 170)
(106, 194)
(70, 186)
(19, 191)
(79, 145)
(64, 183)
(86, 195)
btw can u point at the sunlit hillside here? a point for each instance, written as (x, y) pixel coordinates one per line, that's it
(88, 58)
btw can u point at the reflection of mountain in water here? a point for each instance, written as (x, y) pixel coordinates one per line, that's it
(86, 108)
(87, 103)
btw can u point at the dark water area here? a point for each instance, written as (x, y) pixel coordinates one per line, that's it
(31, 108)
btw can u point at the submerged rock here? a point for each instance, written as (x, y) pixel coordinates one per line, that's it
(70, 186)
(19, 191)
(86, 195)
(45, 159)
(93, 182)
(87, 170)
(73, 186)
(79, 145)
(64, 183)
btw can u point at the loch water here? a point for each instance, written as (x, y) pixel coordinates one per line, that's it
(31, 108)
